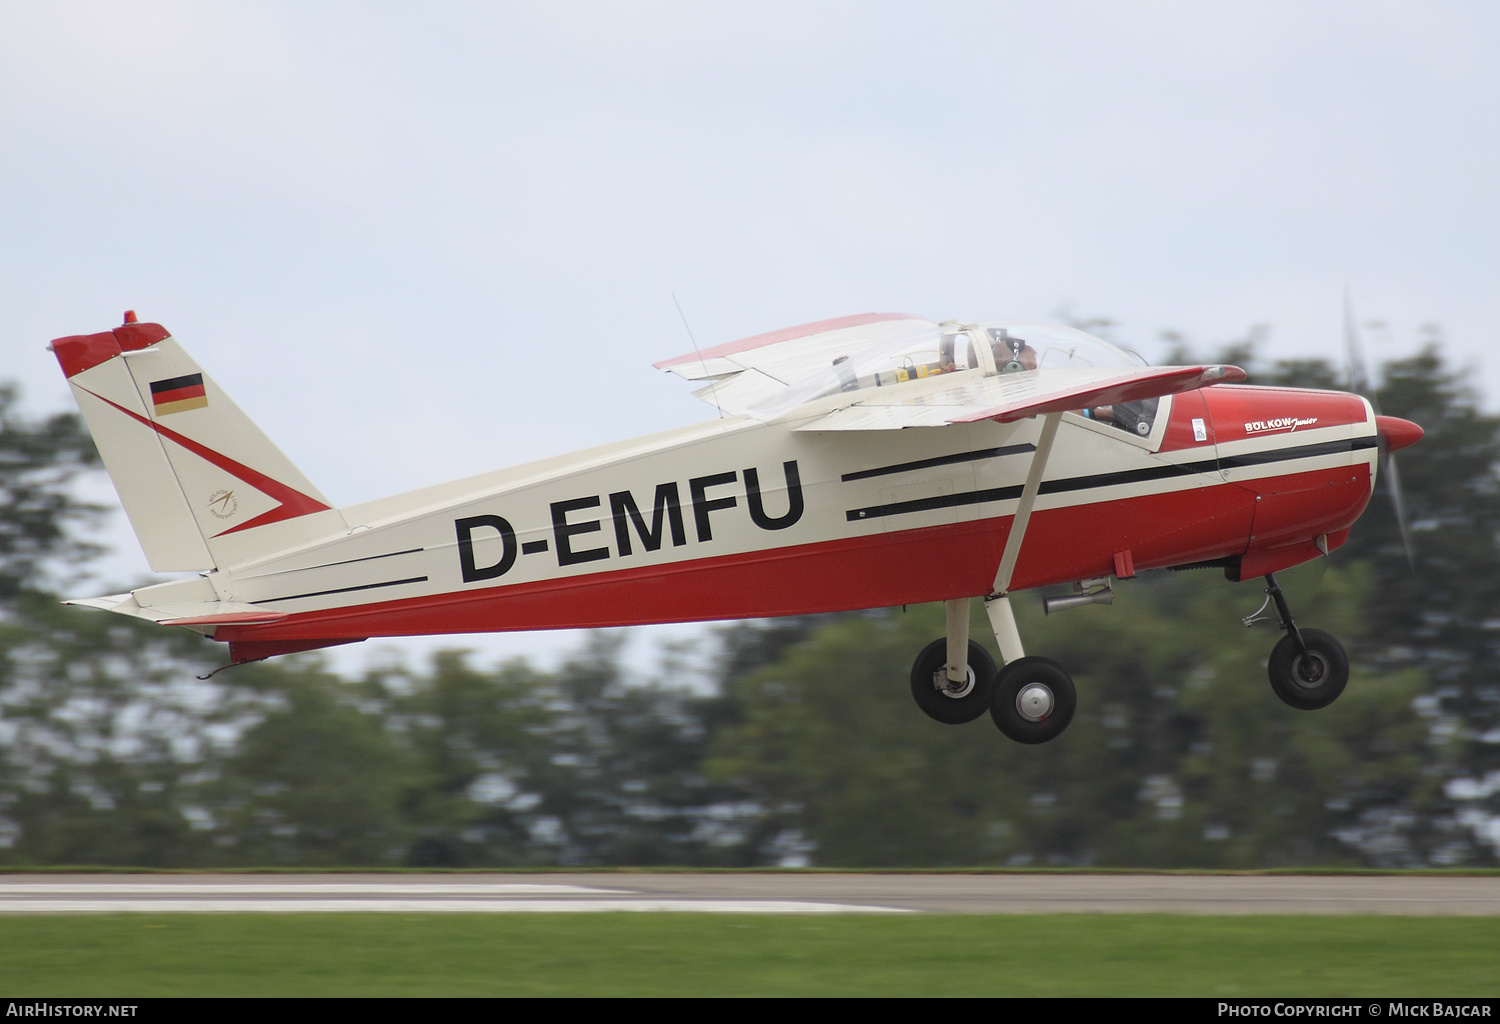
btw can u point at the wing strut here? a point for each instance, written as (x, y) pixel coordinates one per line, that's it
(997, 604)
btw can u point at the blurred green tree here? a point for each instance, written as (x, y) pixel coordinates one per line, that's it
(1179, 756)
(807, 749)
(100, 720)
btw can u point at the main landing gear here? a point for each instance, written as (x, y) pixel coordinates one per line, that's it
(1034, 700)
(952, 701)
(1308, 667)
(1030, 700)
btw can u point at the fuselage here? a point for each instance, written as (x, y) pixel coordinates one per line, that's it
(740, 518)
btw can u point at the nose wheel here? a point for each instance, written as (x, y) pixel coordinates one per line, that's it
(1308, 679)
(1308, 667)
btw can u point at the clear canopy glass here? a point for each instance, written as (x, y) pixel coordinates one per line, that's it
(1053, 345)
(1016, 346)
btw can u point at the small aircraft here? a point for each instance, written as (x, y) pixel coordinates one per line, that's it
(868, 461)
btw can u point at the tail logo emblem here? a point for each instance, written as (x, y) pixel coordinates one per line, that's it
(222, 504)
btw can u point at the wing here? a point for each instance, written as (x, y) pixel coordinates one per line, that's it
(1009, 397)
(744, 372)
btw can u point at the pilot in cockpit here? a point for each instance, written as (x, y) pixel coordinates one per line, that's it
(1012, 355)
(1133, 417)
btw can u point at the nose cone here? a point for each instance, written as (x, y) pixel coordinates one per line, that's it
(1396, 433)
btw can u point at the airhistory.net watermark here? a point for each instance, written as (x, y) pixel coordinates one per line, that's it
(43, 1008)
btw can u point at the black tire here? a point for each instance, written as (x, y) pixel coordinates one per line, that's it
(941, 704)
(1058, 695)
(1308, 684)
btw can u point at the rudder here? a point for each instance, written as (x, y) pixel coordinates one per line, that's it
(202, 484)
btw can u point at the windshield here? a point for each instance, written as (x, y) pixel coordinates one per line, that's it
(1019, 345)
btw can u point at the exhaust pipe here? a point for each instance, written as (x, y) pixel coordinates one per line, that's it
(1058, 604)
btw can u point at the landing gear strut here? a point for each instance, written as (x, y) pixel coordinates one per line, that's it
(1031, 699)
(1308, 667)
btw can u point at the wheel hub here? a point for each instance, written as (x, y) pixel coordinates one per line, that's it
(949, 688)
(1034, 702)
(1310, 670)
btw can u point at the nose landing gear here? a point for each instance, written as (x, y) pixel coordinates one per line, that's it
(1308, 667)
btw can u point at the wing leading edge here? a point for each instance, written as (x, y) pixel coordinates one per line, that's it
(1010, 397)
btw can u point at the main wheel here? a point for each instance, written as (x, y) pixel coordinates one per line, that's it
(1311, 681)
(944, 701)
(1034, 700)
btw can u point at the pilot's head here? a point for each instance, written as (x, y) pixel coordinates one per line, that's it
(1013, 355)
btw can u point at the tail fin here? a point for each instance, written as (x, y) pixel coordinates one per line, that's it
(203, 487)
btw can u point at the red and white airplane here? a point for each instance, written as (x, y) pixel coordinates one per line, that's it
(868, 461)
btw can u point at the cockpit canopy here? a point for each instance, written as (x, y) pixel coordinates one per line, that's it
(1057, 346)
(1010, 346)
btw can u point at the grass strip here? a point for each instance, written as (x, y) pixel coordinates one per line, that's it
(630, 954)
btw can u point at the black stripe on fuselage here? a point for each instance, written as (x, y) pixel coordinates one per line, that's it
(329, 565)
(366, 558)
(941, 460)
(1129, 476)
(1305, 452)
(343, 590)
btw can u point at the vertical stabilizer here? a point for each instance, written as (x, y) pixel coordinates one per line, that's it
(202, 485)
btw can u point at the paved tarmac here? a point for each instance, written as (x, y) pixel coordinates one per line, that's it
(773, 893)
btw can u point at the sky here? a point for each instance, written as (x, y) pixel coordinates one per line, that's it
(421, 242)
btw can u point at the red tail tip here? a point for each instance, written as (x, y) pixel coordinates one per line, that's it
(130, 316)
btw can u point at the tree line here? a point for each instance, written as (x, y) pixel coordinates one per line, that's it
(802, 746)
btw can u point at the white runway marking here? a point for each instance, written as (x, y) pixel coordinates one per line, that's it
(296, 889)
(751, 892)
(428, 906)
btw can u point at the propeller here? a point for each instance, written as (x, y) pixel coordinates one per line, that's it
(1395, 433)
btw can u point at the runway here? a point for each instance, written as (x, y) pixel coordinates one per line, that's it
(751, 893)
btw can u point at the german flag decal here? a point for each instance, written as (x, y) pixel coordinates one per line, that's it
(179, 394)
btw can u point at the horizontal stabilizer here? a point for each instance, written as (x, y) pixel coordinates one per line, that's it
(193, 614)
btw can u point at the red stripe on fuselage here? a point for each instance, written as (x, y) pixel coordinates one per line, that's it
(880, 570)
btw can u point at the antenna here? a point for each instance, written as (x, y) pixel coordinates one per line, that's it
(701, 363)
